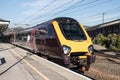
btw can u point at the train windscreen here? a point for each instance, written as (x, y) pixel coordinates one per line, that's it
(72, 31)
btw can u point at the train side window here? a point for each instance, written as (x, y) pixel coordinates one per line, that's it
(51, 33)
(25, 37)
(37, 33)
(28, 37)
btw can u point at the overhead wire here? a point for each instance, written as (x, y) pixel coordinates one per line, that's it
(84, 4)
(66, 9)
(97, 4)
(40, 9)
(108, 18)
(60, 7)
(85, 8)
(53, 10)
(106, 12)
(76, 5)
(115, 15)
(71, 7)
(99, 13)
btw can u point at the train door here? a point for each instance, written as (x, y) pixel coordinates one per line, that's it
(38, 40)
(40, 36)
(32, 40)
(52, 44)
(43, 42)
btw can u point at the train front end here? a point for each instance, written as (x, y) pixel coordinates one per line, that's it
(76, 46)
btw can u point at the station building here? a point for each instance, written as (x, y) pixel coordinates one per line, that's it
(105, 28)
(3, 26)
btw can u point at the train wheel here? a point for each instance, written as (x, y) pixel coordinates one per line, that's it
(67, 66)
(39, 54)
(83, 69)
(48, 58)
(34, 51)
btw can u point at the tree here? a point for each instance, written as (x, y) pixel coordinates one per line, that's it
(3, 28)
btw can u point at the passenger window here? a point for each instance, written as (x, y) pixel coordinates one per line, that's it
(51, 33)
(37, 33)
(28, 37)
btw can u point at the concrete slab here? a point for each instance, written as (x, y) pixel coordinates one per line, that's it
(22, 65)
(12, 69)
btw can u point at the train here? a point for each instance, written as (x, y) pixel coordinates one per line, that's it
(63, 39)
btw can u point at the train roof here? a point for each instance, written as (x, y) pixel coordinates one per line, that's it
(59, 19)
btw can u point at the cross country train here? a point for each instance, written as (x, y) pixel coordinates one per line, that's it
(62, 39)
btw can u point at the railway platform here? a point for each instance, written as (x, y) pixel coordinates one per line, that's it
(19, 64)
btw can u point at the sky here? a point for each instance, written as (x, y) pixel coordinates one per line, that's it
(22, 13)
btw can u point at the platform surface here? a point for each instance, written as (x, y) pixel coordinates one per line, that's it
(19, 64)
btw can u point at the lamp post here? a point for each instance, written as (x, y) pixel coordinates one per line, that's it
(103, 15)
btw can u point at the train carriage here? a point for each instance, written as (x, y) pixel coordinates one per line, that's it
(63, 39)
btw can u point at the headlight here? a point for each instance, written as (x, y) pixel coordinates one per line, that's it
(66, 49)
(91, 49)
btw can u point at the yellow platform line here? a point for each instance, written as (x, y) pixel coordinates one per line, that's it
(29, 64)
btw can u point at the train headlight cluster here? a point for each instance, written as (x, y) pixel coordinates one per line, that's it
(91, 49)
(66, 49)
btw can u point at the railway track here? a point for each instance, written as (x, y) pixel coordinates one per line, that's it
(106, 67)
(115, 57)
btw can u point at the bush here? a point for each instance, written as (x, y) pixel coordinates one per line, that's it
(111, 41)
(100, 39)
(118, 42)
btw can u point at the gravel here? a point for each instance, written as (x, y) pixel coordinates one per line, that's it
(104, 69)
